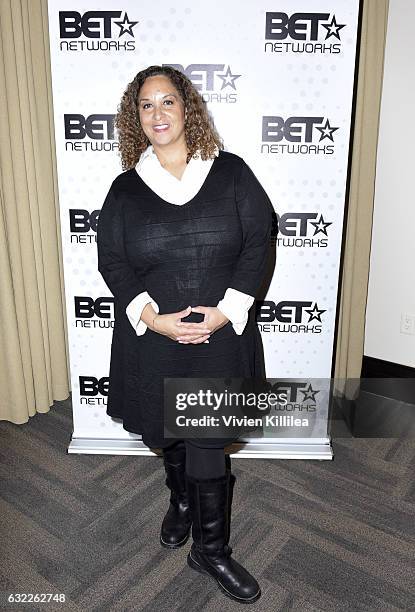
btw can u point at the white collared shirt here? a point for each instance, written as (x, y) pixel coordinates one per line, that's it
(234, 304)
(166, 185)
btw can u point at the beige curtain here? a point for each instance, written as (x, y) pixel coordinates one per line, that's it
(33, 346)
(350, 337)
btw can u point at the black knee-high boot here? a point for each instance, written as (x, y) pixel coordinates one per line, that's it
(231, 485)
(175, 528)
(210, 553)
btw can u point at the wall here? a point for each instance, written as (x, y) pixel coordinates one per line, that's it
(392, 275)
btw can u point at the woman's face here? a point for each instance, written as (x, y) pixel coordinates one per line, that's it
(161, 111)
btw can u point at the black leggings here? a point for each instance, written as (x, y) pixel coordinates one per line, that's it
(202, 463)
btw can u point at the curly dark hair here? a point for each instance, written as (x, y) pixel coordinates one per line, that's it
(199, 130)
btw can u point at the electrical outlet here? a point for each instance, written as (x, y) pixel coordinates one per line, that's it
(407, 323)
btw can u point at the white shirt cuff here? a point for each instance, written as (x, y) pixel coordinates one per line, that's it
(235, 306)
(135, 308)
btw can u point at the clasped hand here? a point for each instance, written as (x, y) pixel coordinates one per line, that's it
(170, 324)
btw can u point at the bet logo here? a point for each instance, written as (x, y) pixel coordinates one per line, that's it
(94, 24)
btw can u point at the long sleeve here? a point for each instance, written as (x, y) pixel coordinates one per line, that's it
(113, 264)
(135, 308)
(255, 214)
(235, 306)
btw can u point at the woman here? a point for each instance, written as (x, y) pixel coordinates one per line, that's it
(183, 240)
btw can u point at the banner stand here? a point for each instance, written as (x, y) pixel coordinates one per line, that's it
(279, 82)
(256, 449)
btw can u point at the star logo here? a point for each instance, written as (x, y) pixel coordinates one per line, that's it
(309, 393)
(228, 78)
(126, 26)
(315, 313)
(333, 28)
(326, 131)
(320, 226)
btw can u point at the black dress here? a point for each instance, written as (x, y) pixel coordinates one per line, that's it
(181, 255)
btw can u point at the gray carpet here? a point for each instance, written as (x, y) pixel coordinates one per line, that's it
(318, 535)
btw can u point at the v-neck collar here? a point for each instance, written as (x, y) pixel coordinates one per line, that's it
(166, 185)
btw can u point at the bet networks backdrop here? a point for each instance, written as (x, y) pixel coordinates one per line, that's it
(278, 79)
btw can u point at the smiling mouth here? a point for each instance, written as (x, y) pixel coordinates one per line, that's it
(161, 128)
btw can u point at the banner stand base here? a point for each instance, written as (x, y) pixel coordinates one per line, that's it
(258, 449)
